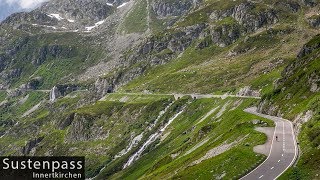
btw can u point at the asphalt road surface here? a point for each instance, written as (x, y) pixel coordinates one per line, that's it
(283, 151)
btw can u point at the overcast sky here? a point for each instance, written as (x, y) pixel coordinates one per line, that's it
(8, 7)
(24, 4)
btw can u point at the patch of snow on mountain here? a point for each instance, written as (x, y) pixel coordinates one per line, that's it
(57, 16)
(122, 5)
(88, 29)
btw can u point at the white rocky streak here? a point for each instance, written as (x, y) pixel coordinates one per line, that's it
(223, 109)
(159, 116)
(150, 140)
(218, 150)
(208, 114)
(9, 130)
(34, 108)
(132, 144)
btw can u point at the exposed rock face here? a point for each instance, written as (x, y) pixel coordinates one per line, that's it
(103, 86)
(225, 34)
(35, 17)
(310, 2)
(57, 15)
(79, 9)
(247, 91)
(30, 145)
(267, 107)
(309, 48)
(62, 90)
(314, 21)
(53, 51)
(172, 8)
(301, 119)
(83, 128)
(314, 82)
(176, 42)
(246, 17)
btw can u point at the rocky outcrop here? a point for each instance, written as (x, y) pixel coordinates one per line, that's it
(247, 91)
(226, 34)
(175, 42)
(164, 9)
(34, 17)
(62, 90)
(311, 3)
(30, 145)
(314, 82)
(52, 51)
(301, 119)
(95, 10)
(82, 128)
(314, 21)
(268, 107)
(244, 14)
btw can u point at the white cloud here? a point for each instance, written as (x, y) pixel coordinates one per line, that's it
(25, 4)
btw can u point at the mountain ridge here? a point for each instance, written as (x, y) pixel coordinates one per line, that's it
(93, 54)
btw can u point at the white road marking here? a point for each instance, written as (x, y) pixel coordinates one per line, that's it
(260, 176)
(275, 119)
(274, 135)
(295, 148)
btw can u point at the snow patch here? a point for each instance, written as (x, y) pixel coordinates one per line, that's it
(89, 28)
(109, 4)
(122, 5)
(71, 20)
(57, 16)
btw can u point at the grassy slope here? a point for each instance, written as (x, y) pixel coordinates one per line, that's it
(212, 69)
(75, 55)
(184, 134)
(300, 100)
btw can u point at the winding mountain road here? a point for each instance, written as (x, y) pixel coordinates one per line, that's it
(283, 151)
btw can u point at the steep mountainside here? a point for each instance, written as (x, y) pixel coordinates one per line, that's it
(100, 79)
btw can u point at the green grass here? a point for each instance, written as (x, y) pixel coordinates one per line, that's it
(135, 98)
(136, 20)
(184, 134)
(295, 82)
(3, 96)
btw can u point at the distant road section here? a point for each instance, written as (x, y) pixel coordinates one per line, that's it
(283, 150)
(197, 96)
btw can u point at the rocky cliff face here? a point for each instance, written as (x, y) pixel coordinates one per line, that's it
(301, 74)
(187, 43)
(164, 9)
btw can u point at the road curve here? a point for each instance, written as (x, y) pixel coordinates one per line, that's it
(283, 151)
